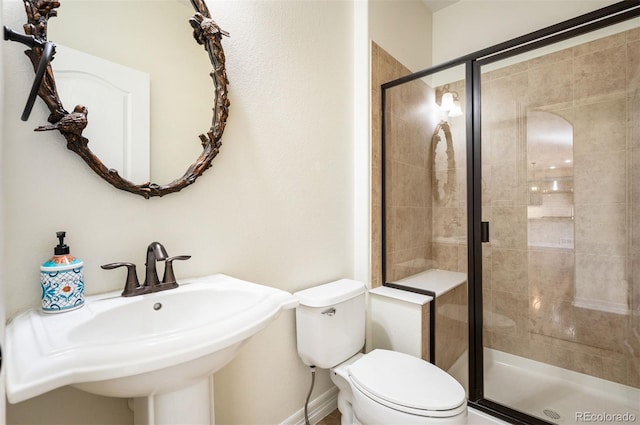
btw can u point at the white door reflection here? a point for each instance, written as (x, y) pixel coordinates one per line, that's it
(119, 95)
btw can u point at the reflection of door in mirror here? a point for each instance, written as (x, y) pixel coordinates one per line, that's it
(120, 96)
(550, 208)
(154, 37)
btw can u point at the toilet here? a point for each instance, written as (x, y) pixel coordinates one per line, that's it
(380, 387)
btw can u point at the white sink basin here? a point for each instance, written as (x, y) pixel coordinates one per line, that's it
(138, 346)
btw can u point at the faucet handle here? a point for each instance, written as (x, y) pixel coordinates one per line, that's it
(169, 277)
(132, 284)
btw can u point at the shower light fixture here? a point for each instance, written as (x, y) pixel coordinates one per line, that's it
(449, 102)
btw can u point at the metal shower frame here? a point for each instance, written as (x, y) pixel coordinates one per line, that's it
(592, 21)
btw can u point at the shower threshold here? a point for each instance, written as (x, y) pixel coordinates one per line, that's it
(555, 394)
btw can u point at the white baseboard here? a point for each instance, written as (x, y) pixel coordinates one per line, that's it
(318, 408)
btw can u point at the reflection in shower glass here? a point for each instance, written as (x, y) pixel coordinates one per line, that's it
(425, 219)
(561, 276)
(549, 145)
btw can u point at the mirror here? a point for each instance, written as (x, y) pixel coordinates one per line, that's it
(444, 162)
(550, 209)
(175, 67)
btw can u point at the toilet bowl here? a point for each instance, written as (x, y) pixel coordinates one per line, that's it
(380, 387)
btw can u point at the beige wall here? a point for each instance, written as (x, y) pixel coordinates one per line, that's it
(402, 28)
(275, 208)
(471, 25)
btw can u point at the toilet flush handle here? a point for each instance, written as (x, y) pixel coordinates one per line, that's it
(329, 312)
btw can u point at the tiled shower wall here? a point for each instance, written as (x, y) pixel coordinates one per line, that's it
(423, 231)
(408, 212)
(575, 307)
(408, 226)
(383, 68)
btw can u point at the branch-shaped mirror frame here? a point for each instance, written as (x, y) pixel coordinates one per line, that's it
(205, 31)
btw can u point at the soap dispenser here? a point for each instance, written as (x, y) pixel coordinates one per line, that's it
(62, 280)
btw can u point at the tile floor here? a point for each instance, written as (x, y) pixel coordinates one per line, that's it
(332, 419)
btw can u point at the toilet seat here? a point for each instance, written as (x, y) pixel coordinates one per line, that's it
(408, 384)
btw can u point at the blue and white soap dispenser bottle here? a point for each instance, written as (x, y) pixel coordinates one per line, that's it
(62, 280)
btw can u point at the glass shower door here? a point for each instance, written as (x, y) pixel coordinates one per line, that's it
(560, 188)
(424, 218)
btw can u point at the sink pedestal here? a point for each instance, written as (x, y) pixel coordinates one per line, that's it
(167, 344)
(190, 405)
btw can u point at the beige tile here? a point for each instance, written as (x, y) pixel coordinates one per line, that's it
(555, 58)
(602, 279)
(506, 187)
(426, 329)
(599, 127)
(601, 229)
(633, 65)
(514, 307)
(601, 329)
(487, 267)
(448, 222)
(408, 262)
(445, 256)
(540, 348)
(604, 43)
(502, 98)
(451, 326)
(551, 317)
(520, 67)
(447, 189)
(508, 228)
(511, 341)
(463, 259)
(577, 360)
(617, 368)
(600, 73)
(551, 274)
(407, 185)
(509, 270)
(332, 419)
(550, 84)
(384, 68)
(600, 178)
(406, 143)
(409, 227)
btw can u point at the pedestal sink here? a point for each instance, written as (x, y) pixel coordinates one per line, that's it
(159, 349)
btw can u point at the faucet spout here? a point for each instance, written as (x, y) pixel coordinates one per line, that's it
(155, 252)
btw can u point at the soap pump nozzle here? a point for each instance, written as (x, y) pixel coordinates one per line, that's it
(61, 249)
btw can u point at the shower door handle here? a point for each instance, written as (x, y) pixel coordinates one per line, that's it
(484, 231)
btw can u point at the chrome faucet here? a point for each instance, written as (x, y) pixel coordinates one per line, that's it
(155, 253)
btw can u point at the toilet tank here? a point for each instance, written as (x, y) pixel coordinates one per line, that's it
(330, 322)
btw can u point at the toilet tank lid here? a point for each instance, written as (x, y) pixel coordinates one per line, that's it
(330, 293)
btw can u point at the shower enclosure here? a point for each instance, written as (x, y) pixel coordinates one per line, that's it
(531, 193)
